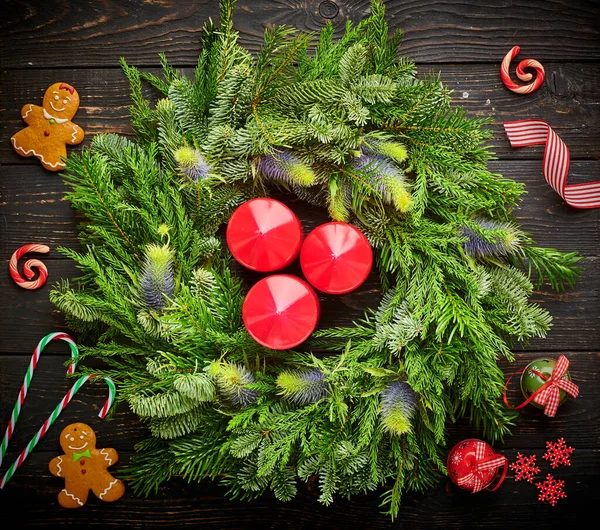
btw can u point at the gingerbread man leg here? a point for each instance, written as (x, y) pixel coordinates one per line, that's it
(73, 495)
(107, 488)
(52, 158)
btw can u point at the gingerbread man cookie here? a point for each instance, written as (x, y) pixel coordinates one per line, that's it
(84, 468)
(49, 128)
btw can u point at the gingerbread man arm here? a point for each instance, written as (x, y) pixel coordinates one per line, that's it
(110, 455)
(29, 112)
(75, 134)
(56, 466)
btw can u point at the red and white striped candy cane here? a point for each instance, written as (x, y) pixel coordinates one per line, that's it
(521, 74)
(28, 266)
(27, 382)
(555, 166)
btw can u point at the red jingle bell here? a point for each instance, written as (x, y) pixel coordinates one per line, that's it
(336, 258)
(280, 311)
(473, 464)
(264, 235)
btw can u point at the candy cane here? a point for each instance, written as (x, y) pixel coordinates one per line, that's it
(27, 382)
(28, 266)
(52, 418)
(521, 74)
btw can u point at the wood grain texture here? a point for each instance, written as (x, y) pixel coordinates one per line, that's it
(578, 420)
(568, 101)
(575, 312)
(33, 209)
(182, 505)
(50, 33)
(80, 41)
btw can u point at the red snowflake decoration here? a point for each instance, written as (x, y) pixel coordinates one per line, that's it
(551, 490)
(525, 468)
(558, 453)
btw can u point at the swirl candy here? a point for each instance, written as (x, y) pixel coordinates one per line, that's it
(521, 74)
(28, 267)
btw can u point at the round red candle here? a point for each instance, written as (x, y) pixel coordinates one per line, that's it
(264, 235)
(280, 311)
(336, 258)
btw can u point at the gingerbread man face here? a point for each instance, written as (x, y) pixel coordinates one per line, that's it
(61, 100)
(76, 438)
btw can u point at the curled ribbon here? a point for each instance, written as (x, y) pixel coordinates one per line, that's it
(521, 74)
(483, 463)
(28, 267)
(548, 395)
(555, 166)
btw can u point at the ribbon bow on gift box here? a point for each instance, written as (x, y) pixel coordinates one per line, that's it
(483, 463)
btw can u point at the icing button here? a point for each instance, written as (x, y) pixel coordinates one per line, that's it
(51, 121)
(46, 133)
(83, 471)
(81, 462)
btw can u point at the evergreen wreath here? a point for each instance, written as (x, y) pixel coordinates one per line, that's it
(346, 125)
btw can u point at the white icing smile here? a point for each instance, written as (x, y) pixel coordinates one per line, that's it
(77, 448)
(57, 110)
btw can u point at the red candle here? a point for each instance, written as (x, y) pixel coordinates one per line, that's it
(336, 258)
(280, 311)
(264, 235)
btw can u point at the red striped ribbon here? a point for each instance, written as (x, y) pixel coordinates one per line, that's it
(523, 133)
(483, 463)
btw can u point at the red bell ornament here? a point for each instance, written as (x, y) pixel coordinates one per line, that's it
(473, 465)
(280, 311)
(336, 258)
(264, 235)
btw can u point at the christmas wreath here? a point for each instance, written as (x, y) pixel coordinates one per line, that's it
(346, 125)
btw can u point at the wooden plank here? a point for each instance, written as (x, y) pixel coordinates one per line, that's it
(34, 212)
(575, 312)
(49, 33)
(33, 209)
(568, 101)
(180, 504)
(577, 420)
(48, 386)
(466, 42)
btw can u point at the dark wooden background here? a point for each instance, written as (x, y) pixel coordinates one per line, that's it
(80, 41)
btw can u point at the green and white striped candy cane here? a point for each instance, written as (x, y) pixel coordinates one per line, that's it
(27, 382)
(52, 418)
